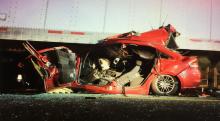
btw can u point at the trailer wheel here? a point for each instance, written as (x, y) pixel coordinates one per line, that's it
(165, 85)
(218, 66)
(204, 62)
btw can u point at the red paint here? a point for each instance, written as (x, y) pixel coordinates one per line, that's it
(77, 33)
(217, 41)
(3, 29)
(196, 40)
(205, 40)
(55, 32)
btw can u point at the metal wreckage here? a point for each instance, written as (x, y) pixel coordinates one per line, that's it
(129, 63)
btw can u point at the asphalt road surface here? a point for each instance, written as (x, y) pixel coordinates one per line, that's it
(97, 107)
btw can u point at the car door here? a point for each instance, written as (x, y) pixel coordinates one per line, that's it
(56, 66)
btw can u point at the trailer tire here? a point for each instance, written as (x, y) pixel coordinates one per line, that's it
(218, 66)
(204, 62)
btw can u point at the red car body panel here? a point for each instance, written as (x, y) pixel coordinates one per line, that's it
(184, 68)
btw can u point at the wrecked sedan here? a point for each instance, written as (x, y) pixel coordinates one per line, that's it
(128, 63)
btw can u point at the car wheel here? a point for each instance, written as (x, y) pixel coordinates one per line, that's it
(165, 85)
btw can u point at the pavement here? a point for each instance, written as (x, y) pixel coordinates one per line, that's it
(98, 107)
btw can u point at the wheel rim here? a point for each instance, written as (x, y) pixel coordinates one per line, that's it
(165, 84)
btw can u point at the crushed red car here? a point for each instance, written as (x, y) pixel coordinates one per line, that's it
(129, 63)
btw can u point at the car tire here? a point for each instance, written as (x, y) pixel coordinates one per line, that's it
(165, 85)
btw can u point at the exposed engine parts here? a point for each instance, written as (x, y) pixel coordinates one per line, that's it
(121, 63)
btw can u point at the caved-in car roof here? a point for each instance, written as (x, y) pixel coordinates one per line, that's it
(154, 37)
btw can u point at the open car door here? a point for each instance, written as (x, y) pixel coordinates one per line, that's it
(55, 66)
